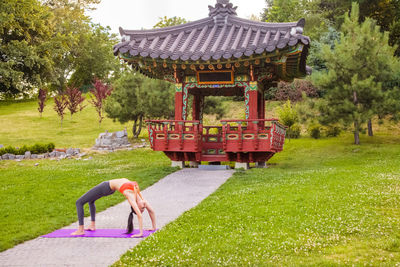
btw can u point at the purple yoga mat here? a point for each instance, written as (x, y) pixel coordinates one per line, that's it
(111, 233)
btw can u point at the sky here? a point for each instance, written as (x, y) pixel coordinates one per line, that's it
(144, 14)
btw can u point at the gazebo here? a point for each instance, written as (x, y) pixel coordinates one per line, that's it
(221, 55)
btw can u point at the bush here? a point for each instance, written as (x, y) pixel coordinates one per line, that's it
(332, 131)
(50, 147)
(287, 115)
(10, 150)
(294, 91)
(294, 131)
(35, 149)
(315, 131)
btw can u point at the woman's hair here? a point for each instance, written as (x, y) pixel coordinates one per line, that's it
(129, 227)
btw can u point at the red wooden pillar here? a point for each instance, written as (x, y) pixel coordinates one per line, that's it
(197, 101)
(261, 108)
(178, 102)
(252, 103)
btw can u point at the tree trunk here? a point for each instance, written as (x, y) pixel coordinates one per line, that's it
(134, 128)
(356, 133)
(140, 126)
(370, 131)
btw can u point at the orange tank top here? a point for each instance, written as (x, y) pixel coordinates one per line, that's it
(128, 186)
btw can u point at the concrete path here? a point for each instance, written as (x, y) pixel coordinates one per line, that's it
(170, 197)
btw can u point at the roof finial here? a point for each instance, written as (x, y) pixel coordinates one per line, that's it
(222, 8)
(223, 2)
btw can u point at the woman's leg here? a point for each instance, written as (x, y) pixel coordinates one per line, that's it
(91, 196)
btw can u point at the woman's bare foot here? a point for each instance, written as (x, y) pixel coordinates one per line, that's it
(80, 231)
(92, 226)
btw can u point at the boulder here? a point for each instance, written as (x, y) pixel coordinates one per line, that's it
(120, 134)
(52, 154)
(19, 157)
(11, 156)
(34, 156)
(27, 155)
(70, 151)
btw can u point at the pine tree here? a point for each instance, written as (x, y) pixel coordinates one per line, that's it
(136, 97)
(358, 65)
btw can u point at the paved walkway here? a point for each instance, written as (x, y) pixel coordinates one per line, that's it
(170, 197)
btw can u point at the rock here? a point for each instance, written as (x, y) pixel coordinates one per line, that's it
(52, 154)
(41, 156)
(34, 156)
(62, 156)
(11, 156)
(82, 154)
(89, 158)
(120, 134)
(70, 151)
(27, 155)
(36, 164)
(5, 156)
(20, 157)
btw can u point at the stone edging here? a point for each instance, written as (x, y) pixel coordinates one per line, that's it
(56, 154)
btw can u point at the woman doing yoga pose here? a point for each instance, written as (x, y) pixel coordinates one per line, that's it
(129, 189)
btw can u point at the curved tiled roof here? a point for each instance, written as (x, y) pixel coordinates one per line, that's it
(222, 35)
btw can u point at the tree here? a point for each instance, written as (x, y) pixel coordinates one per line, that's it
(315, 58)
(94, 57)
(288, 116)
(357, 66)
(74, 97)
(136, 97)
(81, 50)
(167, 22)
(98, 96)
(42, 96)
(60, 103)
(25, 35)
(294, 10)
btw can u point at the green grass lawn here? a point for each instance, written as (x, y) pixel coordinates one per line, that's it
(36, 200)
(322, 202)
(20, 124)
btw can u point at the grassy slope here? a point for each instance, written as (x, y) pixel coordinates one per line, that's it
(322, 202)
(21, 124)
(36, 200)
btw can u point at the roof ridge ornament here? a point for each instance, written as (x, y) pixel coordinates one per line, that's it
(221, 11)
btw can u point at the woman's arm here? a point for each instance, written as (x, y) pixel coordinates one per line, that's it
(132, 201)
(152, 215)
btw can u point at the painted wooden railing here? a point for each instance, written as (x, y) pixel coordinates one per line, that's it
(175, 135)
(253, 135)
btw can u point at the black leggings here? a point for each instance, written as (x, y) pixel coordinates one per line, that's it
(100, 190)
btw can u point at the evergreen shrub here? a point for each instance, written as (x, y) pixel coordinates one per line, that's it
(35, 149)
(332, 131)
(315, 130)
(294, 131)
